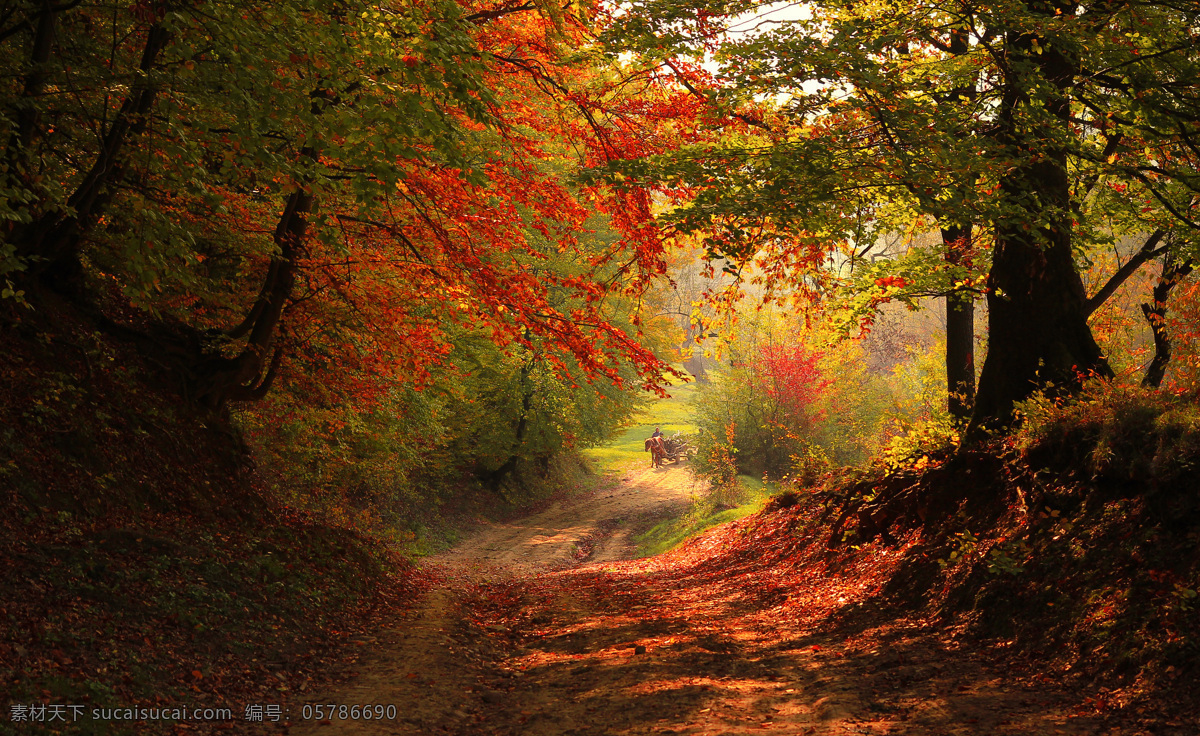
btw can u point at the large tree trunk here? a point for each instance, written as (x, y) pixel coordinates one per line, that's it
(960, 331)
(250, 374)
(1037, 309)
(1038, 337)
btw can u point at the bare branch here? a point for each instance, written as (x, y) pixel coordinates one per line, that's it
(1145, 253)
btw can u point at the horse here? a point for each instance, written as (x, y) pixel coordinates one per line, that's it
(657, 447)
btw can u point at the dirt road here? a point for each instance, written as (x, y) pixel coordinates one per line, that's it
(545, 627)
(431, 662)
(596, 527)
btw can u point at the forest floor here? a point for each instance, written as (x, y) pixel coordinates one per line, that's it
(548, 625)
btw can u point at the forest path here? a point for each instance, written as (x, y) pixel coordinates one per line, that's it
(545, 627)
(431, 661)
(597, 527)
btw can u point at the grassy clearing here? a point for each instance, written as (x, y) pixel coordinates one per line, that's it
(669, 415)
(707, 511)
(672, 415)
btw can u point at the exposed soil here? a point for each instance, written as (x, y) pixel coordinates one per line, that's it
(546, 626)
(596, 527)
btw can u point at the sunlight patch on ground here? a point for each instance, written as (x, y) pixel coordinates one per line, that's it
(704, 514)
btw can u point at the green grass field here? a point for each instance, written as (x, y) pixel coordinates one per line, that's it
(670, 415)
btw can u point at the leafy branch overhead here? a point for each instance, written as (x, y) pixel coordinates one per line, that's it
(261, 177)
(1025, 134)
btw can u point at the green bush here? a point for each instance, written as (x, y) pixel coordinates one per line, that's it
(497, 425)
(752, 423)
(1115, 432)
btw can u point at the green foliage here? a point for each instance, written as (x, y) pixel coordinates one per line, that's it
(238, 93)
(963, 547)
(918, 387)
(1007, 558)
(352, 463)
(1114, 431)
(384, 465)
(856, 408)
(918, 422)
(917, 274)
(717, 461)
(852, 121)
(833, 413)
(497, 420)
(913, 448)
(173, 602)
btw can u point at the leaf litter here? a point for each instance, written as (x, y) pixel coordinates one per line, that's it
(756, 626)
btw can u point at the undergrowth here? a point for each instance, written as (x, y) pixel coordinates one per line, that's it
(151, 557)
(1069, 550)
(144, 562)
(164, 612)
(1076, 540)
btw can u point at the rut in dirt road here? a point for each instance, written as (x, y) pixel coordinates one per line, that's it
(750, 628)
(598, 526)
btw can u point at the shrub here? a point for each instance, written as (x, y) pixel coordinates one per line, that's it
(789, 409)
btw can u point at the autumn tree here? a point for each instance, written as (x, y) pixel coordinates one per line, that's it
(242, 187)
(993, 122)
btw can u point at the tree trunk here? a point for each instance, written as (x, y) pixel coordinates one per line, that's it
(694, 362)
(249, 375)
(960, 331)
(1173, 272)
(1037, 314)
(35, 82)
(1038, 337)
(960, 305)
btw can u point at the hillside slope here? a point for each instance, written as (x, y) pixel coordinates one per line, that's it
(141, 563)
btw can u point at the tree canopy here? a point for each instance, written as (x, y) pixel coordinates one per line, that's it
(255, 188)
(251, 186)
(1004, 126)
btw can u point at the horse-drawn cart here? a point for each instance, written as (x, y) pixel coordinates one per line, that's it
(674, 448)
